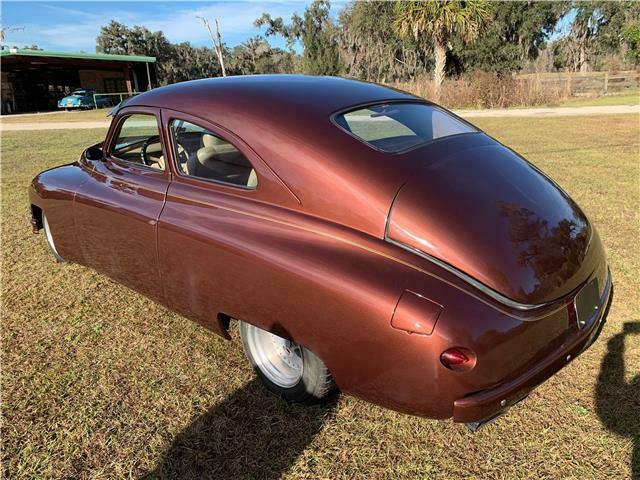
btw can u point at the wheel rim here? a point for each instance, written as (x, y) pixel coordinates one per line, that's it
(280, 360)
(47, 233)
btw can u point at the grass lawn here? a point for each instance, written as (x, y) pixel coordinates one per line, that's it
(63, 116)
(616, 99)
(98, 382)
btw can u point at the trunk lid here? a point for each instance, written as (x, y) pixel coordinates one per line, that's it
(494, 217)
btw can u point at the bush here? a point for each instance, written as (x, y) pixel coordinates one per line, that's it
(487, 90)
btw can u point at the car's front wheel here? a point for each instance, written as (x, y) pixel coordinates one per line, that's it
(286, 368)
(49, 237)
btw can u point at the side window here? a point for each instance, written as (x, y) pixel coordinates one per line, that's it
(138, 141)
(203, 154)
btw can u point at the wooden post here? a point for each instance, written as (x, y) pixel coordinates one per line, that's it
(148, 77)
(606, 82)
(127, 78)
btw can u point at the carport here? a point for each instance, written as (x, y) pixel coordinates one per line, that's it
(34, 80)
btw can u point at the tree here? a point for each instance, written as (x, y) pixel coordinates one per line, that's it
(437, 22)
(216, 43)
(371, 49)
(316, 31)
(631, 36)
(596, 30)
(257, 56)
(515, 34)
(5, 30)
(175, 63)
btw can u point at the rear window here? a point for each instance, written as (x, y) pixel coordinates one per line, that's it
(395, 127)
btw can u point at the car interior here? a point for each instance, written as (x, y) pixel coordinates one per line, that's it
(202, 154)
(199, 152)
(138, 141)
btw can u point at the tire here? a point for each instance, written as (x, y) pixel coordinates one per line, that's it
(49, 237)
(287, 369)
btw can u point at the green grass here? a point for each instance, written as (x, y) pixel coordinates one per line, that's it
(619, 99)
(99, 382)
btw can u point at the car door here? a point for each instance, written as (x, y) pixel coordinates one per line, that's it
(117, 209)
(215, 225)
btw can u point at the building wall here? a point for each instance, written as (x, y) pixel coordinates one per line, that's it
(96, 79)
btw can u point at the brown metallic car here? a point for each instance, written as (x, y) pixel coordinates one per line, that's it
(365, 239)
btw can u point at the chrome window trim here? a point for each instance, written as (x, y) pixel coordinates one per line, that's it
(469, 279)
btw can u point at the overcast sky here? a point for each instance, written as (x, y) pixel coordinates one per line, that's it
(74, 26)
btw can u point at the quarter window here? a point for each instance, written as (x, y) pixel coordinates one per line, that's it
(203, 154)
(138, 141)
(395, 127)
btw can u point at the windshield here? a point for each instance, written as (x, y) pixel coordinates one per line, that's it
(80, 93)
(396, 127)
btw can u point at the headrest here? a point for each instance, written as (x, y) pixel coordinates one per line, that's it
(209, 140)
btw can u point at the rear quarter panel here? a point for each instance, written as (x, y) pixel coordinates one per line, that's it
(334, 290)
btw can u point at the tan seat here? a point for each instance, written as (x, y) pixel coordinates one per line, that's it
(221, 160)
(253, 179)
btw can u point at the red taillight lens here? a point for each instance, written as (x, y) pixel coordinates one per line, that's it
(459, 359)
(452, 357)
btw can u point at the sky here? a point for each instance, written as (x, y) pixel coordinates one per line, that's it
(74, 26)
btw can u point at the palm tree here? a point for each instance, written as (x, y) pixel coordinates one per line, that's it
(437, 21)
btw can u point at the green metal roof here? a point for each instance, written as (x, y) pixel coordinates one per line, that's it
(85, 56)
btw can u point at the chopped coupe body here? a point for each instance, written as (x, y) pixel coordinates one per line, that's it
(428, 267)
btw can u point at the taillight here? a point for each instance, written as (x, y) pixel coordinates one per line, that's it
(458, 359)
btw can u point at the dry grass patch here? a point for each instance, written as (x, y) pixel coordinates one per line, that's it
(73, 116)
(98, 382)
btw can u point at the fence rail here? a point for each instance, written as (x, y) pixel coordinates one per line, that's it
(590, 82)
(116, 96)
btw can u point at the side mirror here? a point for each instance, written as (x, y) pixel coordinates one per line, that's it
(93, 153)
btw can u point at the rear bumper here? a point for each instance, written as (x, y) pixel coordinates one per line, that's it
(490, 403)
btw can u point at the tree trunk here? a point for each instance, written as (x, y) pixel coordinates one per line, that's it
(584, 61)
(438, 74)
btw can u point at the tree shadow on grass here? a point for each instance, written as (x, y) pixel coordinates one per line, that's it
(251, 434)
(618, 401)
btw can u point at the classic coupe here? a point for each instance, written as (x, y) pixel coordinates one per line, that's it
(83, 99)
(363, 238)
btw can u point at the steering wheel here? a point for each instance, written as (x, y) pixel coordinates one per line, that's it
(181, 154)
(145, 145)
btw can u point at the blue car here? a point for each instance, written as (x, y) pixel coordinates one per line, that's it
(82, 98)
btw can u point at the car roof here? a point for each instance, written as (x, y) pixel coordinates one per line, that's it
(319, 95)
(286, 120)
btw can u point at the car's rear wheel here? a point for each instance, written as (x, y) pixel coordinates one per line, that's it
(49, 237)
(286, 368)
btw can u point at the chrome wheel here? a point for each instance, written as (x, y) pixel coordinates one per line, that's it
(280, 360)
